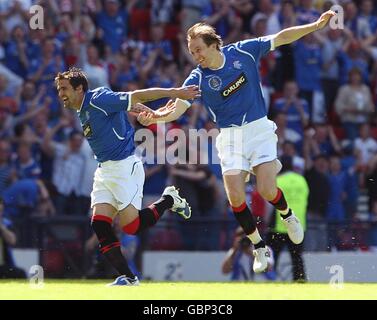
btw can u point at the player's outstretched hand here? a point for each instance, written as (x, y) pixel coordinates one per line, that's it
(187, 93)
(325, 18)
(147, 118)
(165, 110)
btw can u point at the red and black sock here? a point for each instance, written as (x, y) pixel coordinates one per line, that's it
(280, 203)
(149, 216)
(110, 245)
(245, 218)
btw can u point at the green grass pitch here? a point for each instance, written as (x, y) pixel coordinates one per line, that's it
(91, 290)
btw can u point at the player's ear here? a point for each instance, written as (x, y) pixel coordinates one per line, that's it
(80, 88)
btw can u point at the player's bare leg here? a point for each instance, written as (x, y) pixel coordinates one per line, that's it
(234, 181)
(266, 186)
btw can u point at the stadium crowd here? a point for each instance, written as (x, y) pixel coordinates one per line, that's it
(320, 91)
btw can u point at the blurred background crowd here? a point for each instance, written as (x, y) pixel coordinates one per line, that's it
(321, 91)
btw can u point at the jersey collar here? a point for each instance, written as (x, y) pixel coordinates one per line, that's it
(82, 102)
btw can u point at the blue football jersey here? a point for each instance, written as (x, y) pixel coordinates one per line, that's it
(105, 124)
(233, 94)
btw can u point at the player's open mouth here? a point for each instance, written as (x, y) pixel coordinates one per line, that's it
(201, 61)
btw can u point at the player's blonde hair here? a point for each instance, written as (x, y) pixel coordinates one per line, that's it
(206, 32)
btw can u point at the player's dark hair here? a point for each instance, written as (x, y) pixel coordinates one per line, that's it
(75, 76)
(206, 32)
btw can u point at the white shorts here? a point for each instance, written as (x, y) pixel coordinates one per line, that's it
(119, 183)
(245, 147)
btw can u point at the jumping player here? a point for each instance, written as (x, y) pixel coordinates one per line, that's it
(119, 178)
(231, 92)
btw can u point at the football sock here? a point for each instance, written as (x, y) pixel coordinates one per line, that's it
(280, 204)
(109, 244)
(255, 237)
(246, 220)
(149, 216)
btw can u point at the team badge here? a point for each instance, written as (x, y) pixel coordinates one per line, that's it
(215, 83)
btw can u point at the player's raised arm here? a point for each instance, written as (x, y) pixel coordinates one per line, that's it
(144, 95)
(292, 34)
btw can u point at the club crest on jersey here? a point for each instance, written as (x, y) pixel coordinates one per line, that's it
(234, 86)
(237, 65)
(215, 83)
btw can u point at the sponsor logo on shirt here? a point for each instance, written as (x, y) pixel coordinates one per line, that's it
(86, 128)
(215, 83)
(234, 86)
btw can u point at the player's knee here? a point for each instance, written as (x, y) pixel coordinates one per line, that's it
(236, 199)
(267, 192)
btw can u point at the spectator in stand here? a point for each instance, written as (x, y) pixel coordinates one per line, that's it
(335, 210)
(27, 197)
(7, 175)
(368, 17)
(42, 70)
(244, 9)
(306, 12)
(284, 133)
(221, 15)
(285, 68)
(319, 192)
(321, 140)
(68, 169)
(289, 150)
(308, 64)
(113, 22)
(162, 11)
(295, 108)
(332, 44)
(7, 99)
(267, 8)
(350, 166)
(94, 69)
(16, 52)
(354, 104)
(126, 71)
(336, 214)
(365, 148)
(371, 183)
(161, 50)
(25, 165)
(8, 239)
(365, 145)
(192, 11)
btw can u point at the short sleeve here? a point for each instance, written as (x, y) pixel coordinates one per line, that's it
(257, 47)
(109, 101)
(195, 78)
